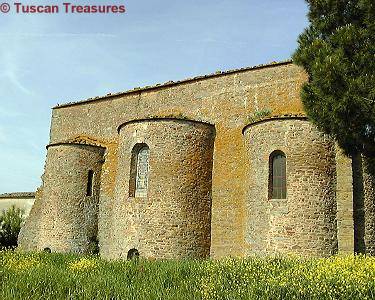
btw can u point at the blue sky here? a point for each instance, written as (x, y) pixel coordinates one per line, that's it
(50, 59)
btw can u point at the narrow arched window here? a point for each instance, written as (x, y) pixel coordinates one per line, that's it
(277, 175)
(90, 181)
(139, 171)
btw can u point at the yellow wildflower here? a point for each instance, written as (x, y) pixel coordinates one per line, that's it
(82, 264)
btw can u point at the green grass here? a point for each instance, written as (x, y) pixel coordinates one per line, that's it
(57, 276)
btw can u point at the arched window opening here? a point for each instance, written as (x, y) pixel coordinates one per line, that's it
(133, 254)
(139, 171)
(277, 175)
(90, 181)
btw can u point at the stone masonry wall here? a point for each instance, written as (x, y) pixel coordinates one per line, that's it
(64, 219)
(174, 219)
(304, 222)
(358, 204)
(226, 100)
(369, 204)
(345, 205)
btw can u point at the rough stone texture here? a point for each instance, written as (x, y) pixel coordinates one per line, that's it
(358, 205)
(304, 222)
(224, 100)
(369, 204)
(228, 101)
(174, 220)
(344, 196)
(64, 219)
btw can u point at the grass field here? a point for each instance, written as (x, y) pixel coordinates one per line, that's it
(57, 276)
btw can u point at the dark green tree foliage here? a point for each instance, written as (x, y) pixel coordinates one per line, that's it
(338, 52)
(11, 221)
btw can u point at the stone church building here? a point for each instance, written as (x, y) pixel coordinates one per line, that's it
(219, 165)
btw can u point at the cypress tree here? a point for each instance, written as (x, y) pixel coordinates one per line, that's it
(337, 50)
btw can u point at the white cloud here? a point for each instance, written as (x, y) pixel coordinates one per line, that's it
(12, 73)
(13, 78)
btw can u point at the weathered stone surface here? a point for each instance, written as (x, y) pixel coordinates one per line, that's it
(345, 207)
(194, 167)
(174, 219)
(224, 100)
(64, 218)
(304, 222)
(369, 204)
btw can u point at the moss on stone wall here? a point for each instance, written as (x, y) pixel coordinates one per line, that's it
(226, 101)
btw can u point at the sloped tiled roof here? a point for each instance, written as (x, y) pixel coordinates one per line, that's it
(18, 195)
(171, 83)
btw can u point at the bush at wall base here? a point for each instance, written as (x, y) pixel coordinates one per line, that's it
(11, 221)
